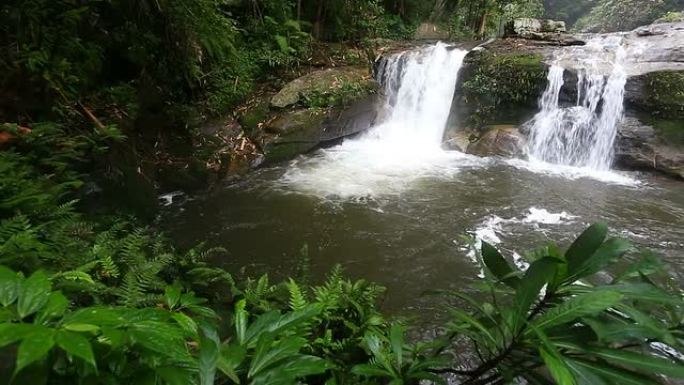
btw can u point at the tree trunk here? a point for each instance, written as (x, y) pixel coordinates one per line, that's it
(299, 10)
(318, 24)
(483, 25)
(438, 10)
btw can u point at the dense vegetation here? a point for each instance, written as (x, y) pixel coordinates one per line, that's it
(91, 294)
(610, 15)
(106, 301)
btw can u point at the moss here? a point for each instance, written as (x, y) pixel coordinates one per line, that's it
(326, 88)
(341, 93)
(502, 80)
(253, 115)
(298, 132)
(669, 131)
(665, 94)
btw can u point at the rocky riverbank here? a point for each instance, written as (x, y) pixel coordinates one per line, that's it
(502, 82)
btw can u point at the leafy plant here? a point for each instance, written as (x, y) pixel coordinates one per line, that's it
(556, 317)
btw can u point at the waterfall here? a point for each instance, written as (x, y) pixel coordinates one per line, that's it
(582, 135)
(405, 144)
(419, 86)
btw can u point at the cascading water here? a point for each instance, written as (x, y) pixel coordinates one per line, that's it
(582, 135)
(419, 87)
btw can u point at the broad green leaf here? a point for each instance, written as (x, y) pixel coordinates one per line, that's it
(34, 294)
(397, 343)
(269, 352)
(56, 306)
(577, 307)
(34, 347)
(208, 355)
(498, 265)
(172, 295)
(10, 282)
(614, 375)
(187, 323)
(291, 319)
(538, 275)
(647, 362)
(304, 365)
(166, 339)
(585, 246)
(13, 332)
(609, 252)
(76, 345)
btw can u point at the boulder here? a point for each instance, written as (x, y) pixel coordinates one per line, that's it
(500, 140)
(639, 146)
(525, 26)
(430, 31)
(295, 132)
(657, 93)
(324, 86)
(456, 140)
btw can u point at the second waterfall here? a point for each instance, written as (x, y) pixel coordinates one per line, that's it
(582, 134)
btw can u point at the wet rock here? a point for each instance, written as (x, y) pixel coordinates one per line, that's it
(299, 131)
(315, 86)
(296, 132)
(657, 93)
(501, 140)
(456, 140)
(639, 146)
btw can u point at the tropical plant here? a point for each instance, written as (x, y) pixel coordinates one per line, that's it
(557, 321)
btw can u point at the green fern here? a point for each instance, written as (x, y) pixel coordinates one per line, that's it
(297, 296)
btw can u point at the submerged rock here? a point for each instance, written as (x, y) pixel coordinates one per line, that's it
(501, 140)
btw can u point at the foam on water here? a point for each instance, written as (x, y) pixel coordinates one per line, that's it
(573, 172)
(419, 87)
(493, 227)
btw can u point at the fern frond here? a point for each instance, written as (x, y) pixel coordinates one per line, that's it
(297, 296)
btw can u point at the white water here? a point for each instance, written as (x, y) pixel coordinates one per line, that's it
(419, 87)
(582, 135)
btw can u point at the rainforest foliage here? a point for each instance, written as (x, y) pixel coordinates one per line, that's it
(94, 298)
(91, 295)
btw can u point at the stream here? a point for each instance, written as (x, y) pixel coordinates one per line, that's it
(392, 207)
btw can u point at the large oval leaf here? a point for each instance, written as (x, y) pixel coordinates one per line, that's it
(585, 246)
(34, 294)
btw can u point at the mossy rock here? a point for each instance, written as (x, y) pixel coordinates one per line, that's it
(500, 140)
(496, 82)
(329, 87)
(664, 94)
(256, 113)
(296, 132)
